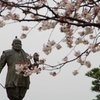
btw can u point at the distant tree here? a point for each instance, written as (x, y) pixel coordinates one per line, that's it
(95, 73)
(79, 20)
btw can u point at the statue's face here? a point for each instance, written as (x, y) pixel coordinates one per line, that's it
(17, 45)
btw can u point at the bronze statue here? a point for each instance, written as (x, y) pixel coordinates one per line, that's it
(16, 84)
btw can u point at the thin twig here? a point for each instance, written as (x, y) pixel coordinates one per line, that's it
(2, 85)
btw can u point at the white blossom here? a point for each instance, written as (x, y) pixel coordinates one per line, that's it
(68, 40)
(18, 68)
(15, 16)
(30, 56)
(47, 49)
(85, 42)
(91, 37)
(53, 73)
(98, 16)
(69, 5)
(47, 25)
(58, 46)
(88, 64)
(77, 53)
(0, 6)
(23, 36)
(42, 61)
(75, 72)
(52, 24)
(2, 23)
(25, 28)
(42, 1)
(88, 17)
(88, 30)
(93, 47)
(78, 40)
(34, 16)
(21, 67)
(67, 30)
(79, 60)
(8, 16)
(51, 43)
(81, 33)
(28, 72)
(43, 68)
(37, 70)
(65, 59)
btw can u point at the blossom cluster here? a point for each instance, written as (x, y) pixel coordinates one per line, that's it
(12, 16)
(47, 25)
(47, 48)
(2, 23)
(94, 47)
(27, 68)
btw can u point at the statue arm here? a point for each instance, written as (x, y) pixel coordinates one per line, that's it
(2, 61)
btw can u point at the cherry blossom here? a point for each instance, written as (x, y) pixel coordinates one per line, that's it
(81, 33)
(88, 64)
(75, 72)
(19, 67)
(43, 68)
(23, 36)
(94, 47)
(15, 16)
(69, 41)
(25, 28)
(77, 53)
(88, 30)
(85, 42)
(91, 37)
(34, 16)
(78, 40)
(28, 69)
(42, 61)
(47, 49)
(53, 73)
(51, 43)
(58, 46)
(30, 56)
(47, 25)
(65, 59)
(81, 61)
(37, 70)
(2, 23)
(28, 72)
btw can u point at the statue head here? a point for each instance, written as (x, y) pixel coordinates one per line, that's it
(16, 44)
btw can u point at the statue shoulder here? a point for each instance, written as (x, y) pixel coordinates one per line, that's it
(26, 53)
(8, 52)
